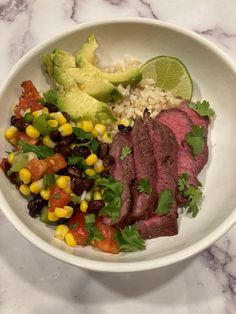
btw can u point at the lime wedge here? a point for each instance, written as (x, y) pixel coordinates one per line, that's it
(170, 74)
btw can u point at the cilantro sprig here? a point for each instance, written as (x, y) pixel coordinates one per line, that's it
(129, 239)
(164, 202)
(90, 226)
(144, 186)
(202, 108)
(195, 139)
(86, 138)
(191, 193)
(41, 151)
(126, 151)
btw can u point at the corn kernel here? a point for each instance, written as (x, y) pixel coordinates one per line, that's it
(70, 239)
(45, 110)
(24, 189)
(52, 217)
(45, 194)
(79, 124)
(10, 132)
(90, 172)
(37, 186)
(100, 128)
(69, 211)
(106, 138)
(32, 132)
(65, 129)
(11, 158)
(83, 206)
(53, 123)
(61, 231)
(94, 133)
(48, 142)
(91, 159)
(98, 166)
(37, 113)
(87, 126)
(59, 117)
(62, 181)
(60, 212)
(97, 196)
(25, 175)
(124, 122)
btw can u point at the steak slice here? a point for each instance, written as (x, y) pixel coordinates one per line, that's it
(122, 171)
(145, 167)
(165, 149)
(196, 119)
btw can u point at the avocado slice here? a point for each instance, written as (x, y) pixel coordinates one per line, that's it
(81, 106)
(83, 58)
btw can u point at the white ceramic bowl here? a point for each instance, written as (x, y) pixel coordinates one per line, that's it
(214, 75)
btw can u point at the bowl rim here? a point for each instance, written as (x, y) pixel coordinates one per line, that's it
(106, 266)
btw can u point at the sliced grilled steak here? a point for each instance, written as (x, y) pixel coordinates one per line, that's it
(196, 119)
(122, 171)
(145, 167)
(165, 149)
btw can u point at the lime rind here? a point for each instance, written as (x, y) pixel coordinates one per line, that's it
(170, 74)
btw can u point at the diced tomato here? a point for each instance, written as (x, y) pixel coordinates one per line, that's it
(56, 163)
(58, 198)
(29, 99)
(79, 232)
(22, 136)
(109, 243)
(38, 168)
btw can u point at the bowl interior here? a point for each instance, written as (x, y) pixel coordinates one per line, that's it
(214, 77)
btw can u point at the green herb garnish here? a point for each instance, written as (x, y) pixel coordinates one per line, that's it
(51, 96)
(126, 151)
(144, 186)
(202, 108)
(129, 239)
(41, 124)
(28, 117)
(164, 202)
(90, 226)
(191, 193)
(48, 180)
(76, 160)
(87, 139)
(195, 139)
(41, 151)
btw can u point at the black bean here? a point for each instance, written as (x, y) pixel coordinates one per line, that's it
(21, 124)
(82, 151)
(103, 150)
(121, 127)
(73, 172)
(88, 184)
(55, 136)
(68, 140)
(129, 128)
(77, 186)
(108, 161)
(51, 107)
(63, 149)
(35, 206)
(95, 206)
(66, 115)
(105, 174)
(13, 120)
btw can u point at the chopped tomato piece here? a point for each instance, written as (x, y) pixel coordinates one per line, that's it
(109, 243)
(58, 198)
(77, 225)
(29, 99)
(56, 163)
(22, 136)
(38, 168)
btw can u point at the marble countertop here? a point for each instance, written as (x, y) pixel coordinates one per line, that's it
(33, 282)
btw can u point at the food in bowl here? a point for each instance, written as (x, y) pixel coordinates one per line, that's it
(108, 157)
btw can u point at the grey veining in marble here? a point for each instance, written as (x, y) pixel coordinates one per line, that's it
(36, 283)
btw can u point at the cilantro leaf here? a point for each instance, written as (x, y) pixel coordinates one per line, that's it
(82, 135)
(90, 226)
(48, 180)
(144, 186)
(76, 160)
(115, 186)
(41, 151)
(41, 124)
(51, 96)
(164, 203)
(191, 193)
(195, 139)
(129, 239)
(112, 209)
(126, 151)
(202, 108)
